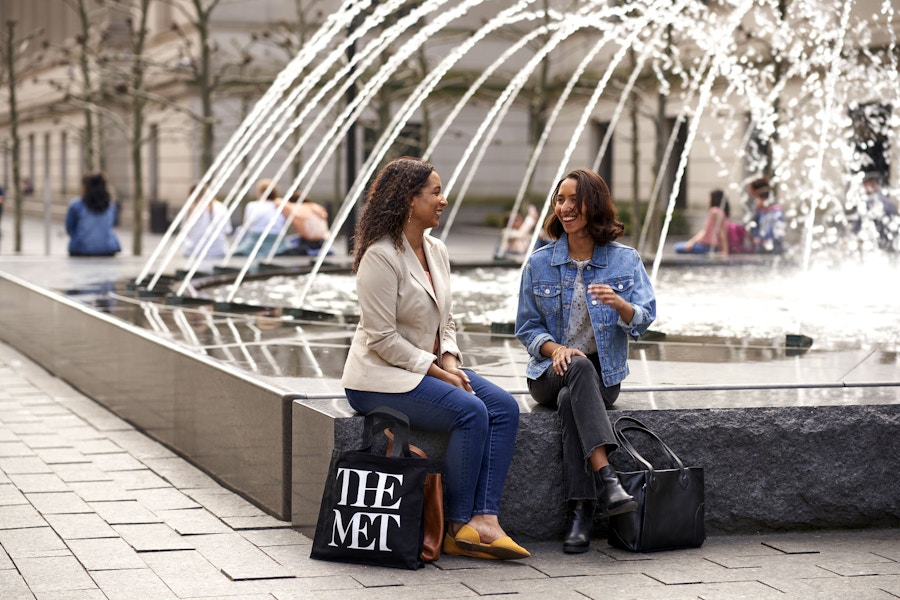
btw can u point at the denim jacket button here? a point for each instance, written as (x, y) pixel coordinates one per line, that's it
(594, 302)
(547, 291)
(620, 286)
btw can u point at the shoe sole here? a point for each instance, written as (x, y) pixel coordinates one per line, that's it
(575, 549)
(621, 509)
(495, 551)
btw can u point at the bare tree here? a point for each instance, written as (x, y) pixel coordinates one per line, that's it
(14, 49)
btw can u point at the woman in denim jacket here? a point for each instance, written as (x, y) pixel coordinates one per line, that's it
(581, 298)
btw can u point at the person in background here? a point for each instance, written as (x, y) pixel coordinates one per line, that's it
(881, 210)
(581, 298)
(515, 238)
(714, 235)
(90, 220)
(767, 227)
(258, 215)
(404, 354)
(214, 221)
(310, 223)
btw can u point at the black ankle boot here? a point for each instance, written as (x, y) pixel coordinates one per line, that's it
(581, 521)
(614, 500)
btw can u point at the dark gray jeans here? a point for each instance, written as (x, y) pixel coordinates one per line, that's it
(581, 400)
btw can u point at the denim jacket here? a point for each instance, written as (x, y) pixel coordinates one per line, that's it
(545, 298)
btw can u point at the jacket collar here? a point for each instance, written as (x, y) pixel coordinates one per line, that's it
(600, 258)
(418, 272)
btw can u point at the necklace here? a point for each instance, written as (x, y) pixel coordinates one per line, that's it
(588, 257)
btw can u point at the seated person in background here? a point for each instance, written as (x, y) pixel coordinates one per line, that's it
(90, 219)
(767, 227)
(214, 221)
(714, 235)
(310, 222)
(258, 215)
(881, 210)
(516, 237)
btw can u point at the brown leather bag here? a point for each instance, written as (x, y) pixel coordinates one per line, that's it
(433, 517)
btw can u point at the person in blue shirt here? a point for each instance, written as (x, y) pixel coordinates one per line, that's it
(90, 220)
(767, 228)
(581, 298)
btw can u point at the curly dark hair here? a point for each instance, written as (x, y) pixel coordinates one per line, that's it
(388, 203)
(595, 201)
(96, 195)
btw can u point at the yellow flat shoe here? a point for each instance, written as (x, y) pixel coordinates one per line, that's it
(504, 548)
(451, 548)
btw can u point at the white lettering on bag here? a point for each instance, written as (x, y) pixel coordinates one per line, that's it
(383, 492)
(359, 530)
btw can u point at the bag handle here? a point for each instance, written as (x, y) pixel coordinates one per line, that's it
(382, 418)
(684, 476)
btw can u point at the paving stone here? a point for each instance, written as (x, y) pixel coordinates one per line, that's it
(237, 558)
(192, 521)
(8, 449)
(18, 516)
(89, 447)
(125, 512)
(180, 473)
(449, 590)
(255, 522)
(696, 571)
(51, 440)
(50, 503)
(61, 456)
(296, 560)
(13, 585)
(38, 482)
(117, 462)
(82, 432)
(5, 561)
(10, 495)
(304, 588)
(91, 594)
(224, 504)
(102, 554)
(143, 479)
(78, 527)
(32, 542)
(80, 473)
(152, 538)
(163, 499)
(140, 446)
(132, 584)
(277, 537)
(54, 574)
(101, 491)
(189, 574)
(25, 465)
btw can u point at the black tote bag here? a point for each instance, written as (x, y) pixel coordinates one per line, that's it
(671, 501)
(371, 511)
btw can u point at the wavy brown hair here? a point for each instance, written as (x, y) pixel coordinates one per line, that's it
(595, 202)
(388, 203)
(96, 194)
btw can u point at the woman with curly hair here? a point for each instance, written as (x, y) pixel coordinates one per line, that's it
(581, 298)
(90, 220)
(404, 354)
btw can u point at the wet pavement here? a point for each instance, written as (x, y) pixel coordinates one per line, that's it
(92, 508)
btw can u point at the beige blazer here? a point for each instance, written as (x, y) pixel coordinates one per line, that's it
(400, 314)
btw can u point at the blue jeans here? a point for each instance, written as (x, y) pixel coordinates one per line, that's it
(482, 428)
(697, 248)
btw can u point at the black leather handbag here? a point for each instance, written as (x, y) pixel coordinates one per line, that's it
(372, 504)
(670, 501)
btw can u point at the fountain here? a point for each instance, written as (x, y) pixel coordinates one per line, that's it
(238, 368)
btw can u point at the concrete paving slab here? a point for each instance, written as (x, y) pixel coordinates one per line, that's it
(125, 512)
(51, 503)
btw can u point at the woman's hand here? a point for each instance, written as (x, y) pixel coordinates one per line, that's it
(608, 296)
(562, 357)
(458, 377)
